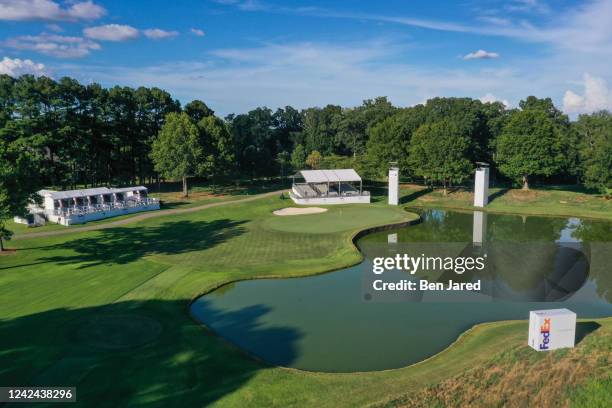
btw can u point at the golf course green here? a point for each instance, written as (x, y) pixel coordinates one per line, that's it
(107, 310)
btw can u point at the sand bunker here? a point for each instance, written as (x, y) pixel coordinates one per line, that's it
(299, 211)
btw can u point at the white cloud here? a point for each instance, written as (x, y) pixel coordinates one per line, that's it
(86, 10)
(53, 45)
(17, 67)
(528, 6)
(111, 32)
(245, 5)
(480, 54)
(54, 27)
(158, 34)
(596, 97)
(21, 10)
(490, 98)
(310, 74)
(197, 32)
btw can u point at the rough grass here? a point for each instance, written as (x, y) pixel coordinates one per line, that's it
(555, 200)
(519, 377)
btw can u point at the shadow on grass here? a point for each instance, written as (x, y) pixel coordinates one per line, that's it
(499, 193)
(583, 329)
(414, 195)
(169, 205)
(136, 353)
(124, 245)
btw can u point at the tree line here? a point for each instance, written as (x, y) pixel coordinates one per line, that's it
(88, 135)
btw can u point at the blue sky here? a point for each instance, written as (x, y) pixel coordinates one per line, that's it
(239, 54)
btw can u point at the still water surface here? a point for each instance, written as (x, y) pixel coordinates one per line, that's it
(324, 323)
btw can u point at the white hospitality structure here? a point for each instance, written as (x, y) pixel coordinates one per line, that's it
(79, 206)
(481, 185)
(552, 329)
(394, 185)
(340, 186)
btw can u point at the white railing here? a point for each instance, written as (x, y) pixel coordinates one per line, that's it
(305, 190)
(96, 208)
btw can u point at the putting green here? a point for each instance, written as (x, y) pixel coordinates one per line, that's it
(337, 219)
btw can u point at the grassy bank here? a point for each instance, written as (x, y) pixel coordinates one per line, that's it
(519, 377)
(558, 201)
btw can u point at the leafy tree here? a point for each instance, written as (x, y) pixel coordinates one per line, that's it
(314, 159)
(197, 110)
(529, 146)
(288, 125)
(354, 124)
(18, 183)
(254, 141)
(217, 143)
(595, 135)
(439, 153)
(283, 159)
(566, 136)
(390, 141)
(177, 151)
(320, 128)
(298, 158)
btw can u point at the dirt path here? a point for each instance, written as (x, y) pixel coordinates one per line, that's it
(140, 217)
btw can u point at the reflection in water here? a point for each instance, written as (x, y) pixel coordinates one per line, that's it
(332, 327)
(479, 229)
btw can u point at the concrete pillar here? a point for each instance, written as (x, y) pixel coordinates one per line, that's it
(481, 185)
(393, 185)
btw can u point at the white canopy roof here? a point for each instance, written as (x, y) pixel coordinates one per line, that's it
(60, 195)
(329, 176)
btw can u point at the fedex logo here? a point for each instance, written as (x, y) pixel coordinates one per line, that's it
(545, 333)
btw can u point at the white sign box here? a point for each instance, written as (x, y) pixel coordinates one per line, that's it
(552, 329)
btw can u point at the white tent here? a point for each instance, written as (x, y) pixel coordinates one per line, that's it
(330, 176)
(329, 186)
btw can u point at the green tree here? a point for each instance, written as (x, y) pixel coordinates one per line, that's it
(320, 128)
(287, 126)
(354, 124)
(439, 153)
(595, 141)
(18, 183)
(529, 146)
(298, 158)
(218, 147)
(314, 159)
(255, 141)
(568, 138)
(390, 141)
(283, 159)
(177, 151)
(198, 110)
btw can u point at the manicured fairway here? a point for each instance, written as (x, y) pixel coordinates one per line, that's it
(106, 311)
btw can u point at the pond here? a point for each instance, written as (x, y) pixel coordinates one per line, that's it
(328, 323)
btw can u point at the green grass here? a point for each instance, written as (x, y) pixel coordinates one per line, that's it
(551, 200)
(107, 311)
(594, 393)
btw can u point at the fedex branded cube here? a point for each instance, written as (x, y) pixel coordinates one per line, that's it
(552, 329)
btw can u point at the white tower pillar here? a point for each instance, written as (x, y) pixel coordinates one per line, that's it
(393, 185)
(481, 185)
